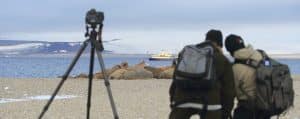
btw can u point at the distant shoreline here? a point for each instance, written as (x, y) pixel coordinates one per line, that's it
(285, 56)
(73, 55)
(280, 56)
(295, 76)
(276, 56)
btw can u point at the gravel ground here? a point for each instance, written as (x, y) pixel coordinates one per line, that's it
(135, 99)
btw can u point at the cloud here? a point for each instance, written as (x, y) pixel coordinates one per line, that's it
(150, 25)
(46, 36)
(57, 15)
(270, 37)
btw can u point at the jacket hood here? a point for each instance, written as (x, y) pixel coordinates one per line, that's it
(248, 53)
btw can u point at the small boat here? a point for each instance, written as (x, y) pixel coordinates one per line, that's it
(162, 56)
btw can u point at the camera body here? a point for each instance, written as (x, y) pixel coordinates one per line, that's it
(94, 17)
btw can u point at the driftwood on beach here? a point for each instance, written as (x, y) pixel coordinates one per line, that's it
(137, 71)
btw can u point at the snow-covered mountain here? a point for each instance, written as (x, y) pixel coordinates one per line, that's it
(14, 47)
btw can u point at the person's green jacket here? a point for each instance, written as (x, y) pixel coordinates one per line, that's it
(223, 93)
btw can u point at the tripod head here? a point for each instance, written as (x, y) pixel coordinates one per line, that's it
(93, 20)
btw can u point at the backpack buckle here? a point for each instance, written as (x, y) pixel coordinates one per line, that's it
(248, 61)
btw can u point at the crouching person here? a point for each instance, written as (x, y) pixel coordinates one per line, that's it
(203, 81)
(245, 78)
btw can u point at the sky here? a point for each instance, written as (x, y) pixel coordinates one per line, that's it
(149, 26)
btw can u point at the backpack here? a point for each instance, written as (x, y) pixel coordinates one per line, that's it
(274, 85)
(195, 68)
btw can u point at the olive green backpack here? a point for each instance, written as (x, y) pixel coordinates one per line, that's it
(274, 85)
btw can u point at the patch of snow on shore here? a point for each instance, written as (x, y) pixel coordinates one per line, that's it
(39, 97)
(4, 100)
(47, 97)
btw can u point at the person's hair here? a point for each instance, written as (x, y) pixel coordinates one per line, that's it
(233, 43)
(215, 36)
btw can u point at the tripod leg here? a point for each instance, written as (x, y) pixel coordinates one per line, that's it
(90, 81)
(107, 84)
(65, 76)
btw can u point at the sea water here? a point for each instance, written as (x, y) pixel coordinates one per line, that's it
(52, 67)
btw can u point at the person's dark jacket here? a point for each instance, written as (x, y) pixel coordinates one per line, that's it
(223, 93)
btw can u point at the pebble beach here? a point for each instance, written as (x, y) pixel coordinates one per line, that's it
(135, 99)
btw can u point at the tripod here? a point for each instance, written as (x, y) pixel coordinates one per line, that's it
(96, 46)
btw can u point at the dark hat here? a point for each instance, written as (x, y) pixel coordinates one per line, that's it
(215, 36)
(234, 43)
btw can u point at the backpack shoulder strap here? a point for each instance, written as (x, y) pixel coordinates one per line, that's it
(264, 54)
(205, 43)
(249, 62)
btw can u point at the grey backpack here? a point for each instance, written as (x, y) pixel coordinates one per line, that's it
(195, 68)
(274, 85)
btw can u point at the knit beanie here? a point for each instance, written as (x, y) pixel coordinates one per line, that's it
(234, 43)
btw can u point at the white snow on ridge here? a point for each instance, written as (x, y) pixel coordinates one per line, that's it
(48, 45)
(20, 46)
(7, 53)
(73, 44)
(63, 51)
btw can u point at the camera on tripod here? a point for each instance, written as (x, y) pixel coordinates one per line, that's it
(93, 21)
(94, 17)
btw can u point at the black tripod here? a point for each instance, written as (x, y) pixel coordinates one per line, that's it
(96, 45)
